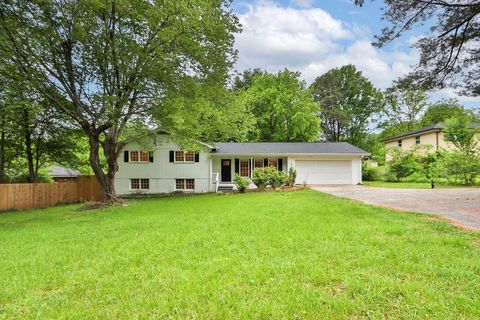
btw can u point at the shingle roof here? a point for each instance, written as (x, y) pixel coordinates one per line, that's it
(287, 148)
(435, 127)
(62, 172)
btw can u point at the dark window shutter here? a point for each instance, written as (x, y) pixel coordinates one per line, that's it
(150, 156)
(197, 156)
(280, 164)
(125, 156)
(265, 162)
(237, 166)
(172, 156)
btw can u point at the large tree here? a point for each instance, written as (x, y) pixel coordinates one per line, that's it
(348, 102)
(450, 51)
(404, 108)
(282, 107)
(106, 63)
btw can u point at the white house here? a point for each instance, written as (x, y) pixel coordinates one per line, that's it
(165, 167)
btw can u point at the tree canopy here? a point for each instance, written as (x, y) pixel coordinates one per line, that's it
(449, 52)
(348, 104)
(104, 64)
(282, 106)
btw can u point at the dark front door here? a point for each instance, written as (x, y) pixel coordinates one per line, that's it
(226, 170)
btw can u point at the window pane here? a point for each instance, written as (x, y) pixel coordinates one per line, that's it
(259, 163)
(144, 156)
(135, 183)
(190, 184)
(179, 156)
(272, 163)
(179, 184)
(189, 156)
(145, 183)
(244, 168)
(134, 156)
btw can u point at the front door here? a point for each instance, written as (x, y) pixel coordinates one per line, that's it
(226, 170)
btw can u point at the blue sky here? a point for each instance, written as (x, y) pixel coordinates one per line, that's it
(313, 36)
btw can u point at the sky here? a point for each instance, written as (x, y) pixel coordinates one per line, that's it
(313, 36)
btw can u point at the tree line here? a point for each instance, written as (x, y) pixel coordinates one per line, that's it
(79, 78)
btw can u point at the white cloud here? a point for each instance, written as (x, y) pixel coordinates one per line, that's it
(310, 40)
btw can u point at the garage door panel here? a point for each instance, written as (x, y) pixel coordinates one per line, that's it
(324, 171)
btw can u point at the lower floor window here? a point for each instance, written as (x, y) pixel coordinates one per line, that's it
(140, 184)
(185, 184)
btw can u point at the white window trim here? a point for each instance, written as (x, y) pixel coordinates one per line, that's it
(184, 184)
(138, 161)
(139, 184)
(240, 167)
(184, 153)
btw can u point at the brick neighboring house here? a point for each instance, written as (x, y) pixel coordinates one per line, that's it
(432, 136)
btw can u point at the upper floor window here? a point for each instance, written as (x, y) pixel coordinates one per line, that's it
(417, 140)
(400, 143)
(184, 156)
(139, 156)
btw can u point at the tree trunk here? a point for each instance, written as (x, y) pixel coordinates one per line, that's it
(2, 156)
(106, 181)
(28, 147)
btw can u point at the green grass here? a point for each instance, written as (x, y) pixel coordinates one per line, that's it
(301, 255)
(413, 185)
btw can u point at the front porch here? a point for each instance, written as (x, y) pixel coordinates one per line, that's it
(224, 168)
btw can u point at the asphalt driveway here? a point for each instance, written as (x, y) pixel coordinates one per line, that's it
(460, 205)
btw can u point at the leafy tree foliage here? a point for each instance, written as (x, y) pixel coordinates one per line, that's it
(441, 112)
(105, 64)
(282, 106)
(348, 103)
(244, 80)
(403, 110)
(449, 53)
(462, 133)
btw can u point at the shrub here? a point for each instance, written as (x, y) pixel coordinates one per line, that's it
(402, 165)
(275, 178)
(292, 176)
(241, 183)
(260, 178)
(370, 173)
(460, 167)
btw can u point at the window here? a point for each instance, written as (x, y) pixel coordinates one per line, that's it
(143, 156)
(185, 184)
(139, 184)
(258, 163)
(184, 156)
(144, 184)
(139, 156)
(399, 143)
(244, 168)
(417, 140)
(135, 183)
(272, 163)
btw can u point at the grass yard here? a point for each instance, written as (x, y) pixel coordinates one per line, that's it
(301, 255)
(413, 185)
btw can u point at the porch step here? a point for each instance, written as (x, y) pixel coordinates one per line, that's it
(225, 188)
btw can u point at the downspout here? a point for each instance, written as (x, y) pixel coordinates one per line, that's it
(437, 139)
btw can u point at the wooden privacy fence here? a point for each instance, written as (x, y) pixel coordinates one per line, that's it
(22, 196)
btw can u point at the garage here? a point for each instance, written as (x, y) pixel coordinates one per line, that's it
(324, 171)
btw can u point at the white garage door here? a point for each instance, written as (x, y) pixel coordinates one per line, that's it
(324, 171)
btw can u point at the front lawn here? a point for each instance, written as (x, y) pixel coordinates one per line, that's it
(301, 255)
(413, 185)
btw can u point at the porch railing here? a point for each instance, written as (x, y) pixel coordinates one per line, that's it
(215, 180)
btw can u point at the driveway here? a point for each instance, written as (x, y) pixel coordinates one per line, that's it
(462, 205)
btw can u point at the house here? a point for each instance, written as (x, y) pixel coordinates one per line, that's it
(62, 174)
(431, 137)
(165, 167)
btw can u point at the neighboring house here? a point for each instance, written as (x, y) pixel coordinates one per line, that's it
(62, 174)
(168, 168)
(433, 137)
